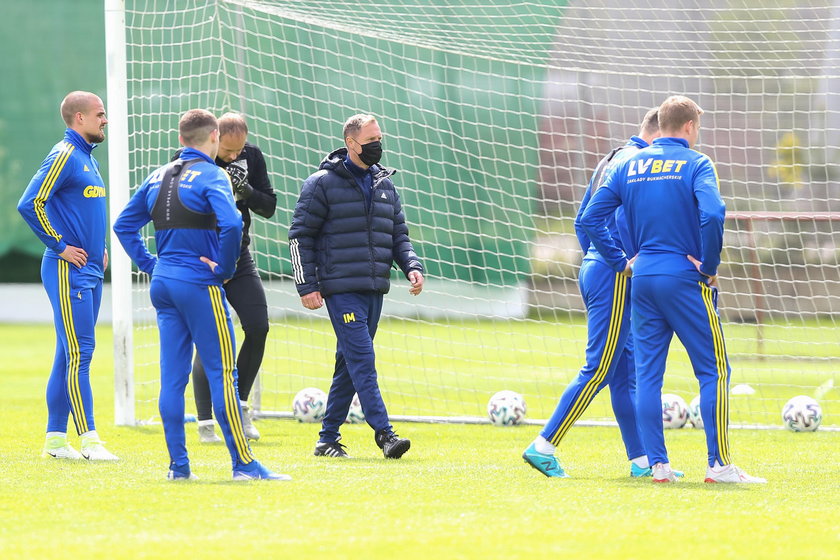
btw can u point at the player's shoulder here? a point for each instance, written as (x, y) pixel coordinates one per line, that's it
(700, 157)
(64, 157)
(210, 174)
(62, 149)
(319, 177)
(252, 151)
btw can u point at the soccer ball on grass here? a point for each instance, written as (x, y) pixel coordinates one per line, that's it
(506, 408)
(802, 414)
(309, 405)
(694, 413)
(674, 411)
(356, 415)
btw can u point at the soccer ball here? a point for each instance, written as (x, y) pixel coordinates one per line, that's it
(802, 414)
(310, 405)
(694, 413)
(355, 415)
(674, 411)
(506, 408)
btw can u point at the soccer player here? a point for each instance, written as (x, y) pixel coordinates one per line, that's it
(246, 166)
(609, 347)
(65, 206)
(675, 215)
(198, 238)
(347, 230)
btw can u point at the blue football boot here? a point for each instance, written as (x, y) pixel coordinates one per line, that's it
(255, 471)
(546, 464)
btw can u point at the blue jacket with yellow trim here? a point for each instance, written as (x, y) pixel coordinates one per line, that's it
(672, 201)
(206, 189)
(64, 202)
(617, 223)
(338, 244)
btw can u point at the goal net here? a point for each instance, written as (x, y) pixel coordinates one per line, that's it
(495, 114)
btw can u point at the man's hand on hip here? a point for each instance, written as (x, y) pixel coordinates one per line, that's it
(74, 255)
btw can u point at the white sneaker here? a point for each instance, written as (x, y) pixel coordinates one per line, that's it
(207, 432)
(63, 452)
(663, 473)
(248, 427)
(93, 450)
(176, 476)
(731, 474)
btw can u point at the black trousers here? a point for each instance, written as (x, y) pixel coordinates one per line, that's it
(245, 293)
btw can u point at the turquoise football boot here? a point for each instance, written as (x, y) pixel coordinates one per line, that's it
(546, 464)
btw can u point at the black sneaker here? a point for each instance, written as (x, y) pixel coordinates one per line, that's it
(330, 449)
(392, 446)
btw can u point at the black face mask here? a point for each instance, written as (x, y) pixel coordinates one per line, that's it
(371, 153)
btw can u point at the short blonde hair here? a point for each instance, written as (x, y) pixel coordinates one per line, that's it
(196, 125)
(355, 123)
(676, 111)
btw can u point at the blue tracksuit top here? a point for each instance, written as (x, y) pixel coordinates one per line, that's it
(617, 223)
(65, 204)
(672, 201)
(204, 187)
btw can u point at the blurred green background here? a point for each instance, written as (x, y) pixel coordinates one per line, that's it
(52, 47)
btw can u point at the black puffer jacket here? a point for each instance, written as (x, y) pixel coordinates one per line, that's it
(337, 244)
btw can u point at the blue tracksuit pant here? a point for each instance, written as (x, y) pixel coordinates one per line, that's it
(663, 305)
(75, 300)
(609, 358)
(355, 317)
(188, 314)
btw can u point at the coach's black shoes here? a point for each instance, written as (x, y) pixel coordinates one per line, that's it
(331, 449)
(392, 446)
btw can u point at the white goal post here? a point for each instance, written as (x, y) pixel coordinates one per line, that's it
(495, 114)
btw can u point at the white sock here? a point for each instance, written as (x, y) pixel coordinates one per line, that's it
(544, 446)
(210, 422)
(641, 462)
(62, 435)
(89, 436)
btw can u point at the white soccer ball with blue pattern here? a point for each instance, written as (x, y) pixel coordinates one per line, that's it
(506, 408)
(674, 411)
(355, 415)
(802, 414)
(694, 413)
(309, 405)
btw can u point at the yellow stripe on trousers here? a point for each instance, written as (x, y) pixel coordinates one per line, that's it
(231, 398)
(45, 188)
(722, 395)
(74, 354)
(591, 386)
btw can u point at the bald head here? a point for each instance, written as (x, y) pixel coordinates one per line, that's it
(84, 112)
(77, 102)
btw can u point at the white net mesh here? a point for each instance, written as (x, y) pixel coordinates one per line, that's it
(496, 113)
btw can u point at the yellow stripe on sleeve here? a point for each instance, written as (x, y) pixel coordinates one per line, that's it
(46, 187)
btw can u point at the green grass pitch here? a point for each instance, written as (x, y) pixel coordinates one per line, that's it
(460, 492)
